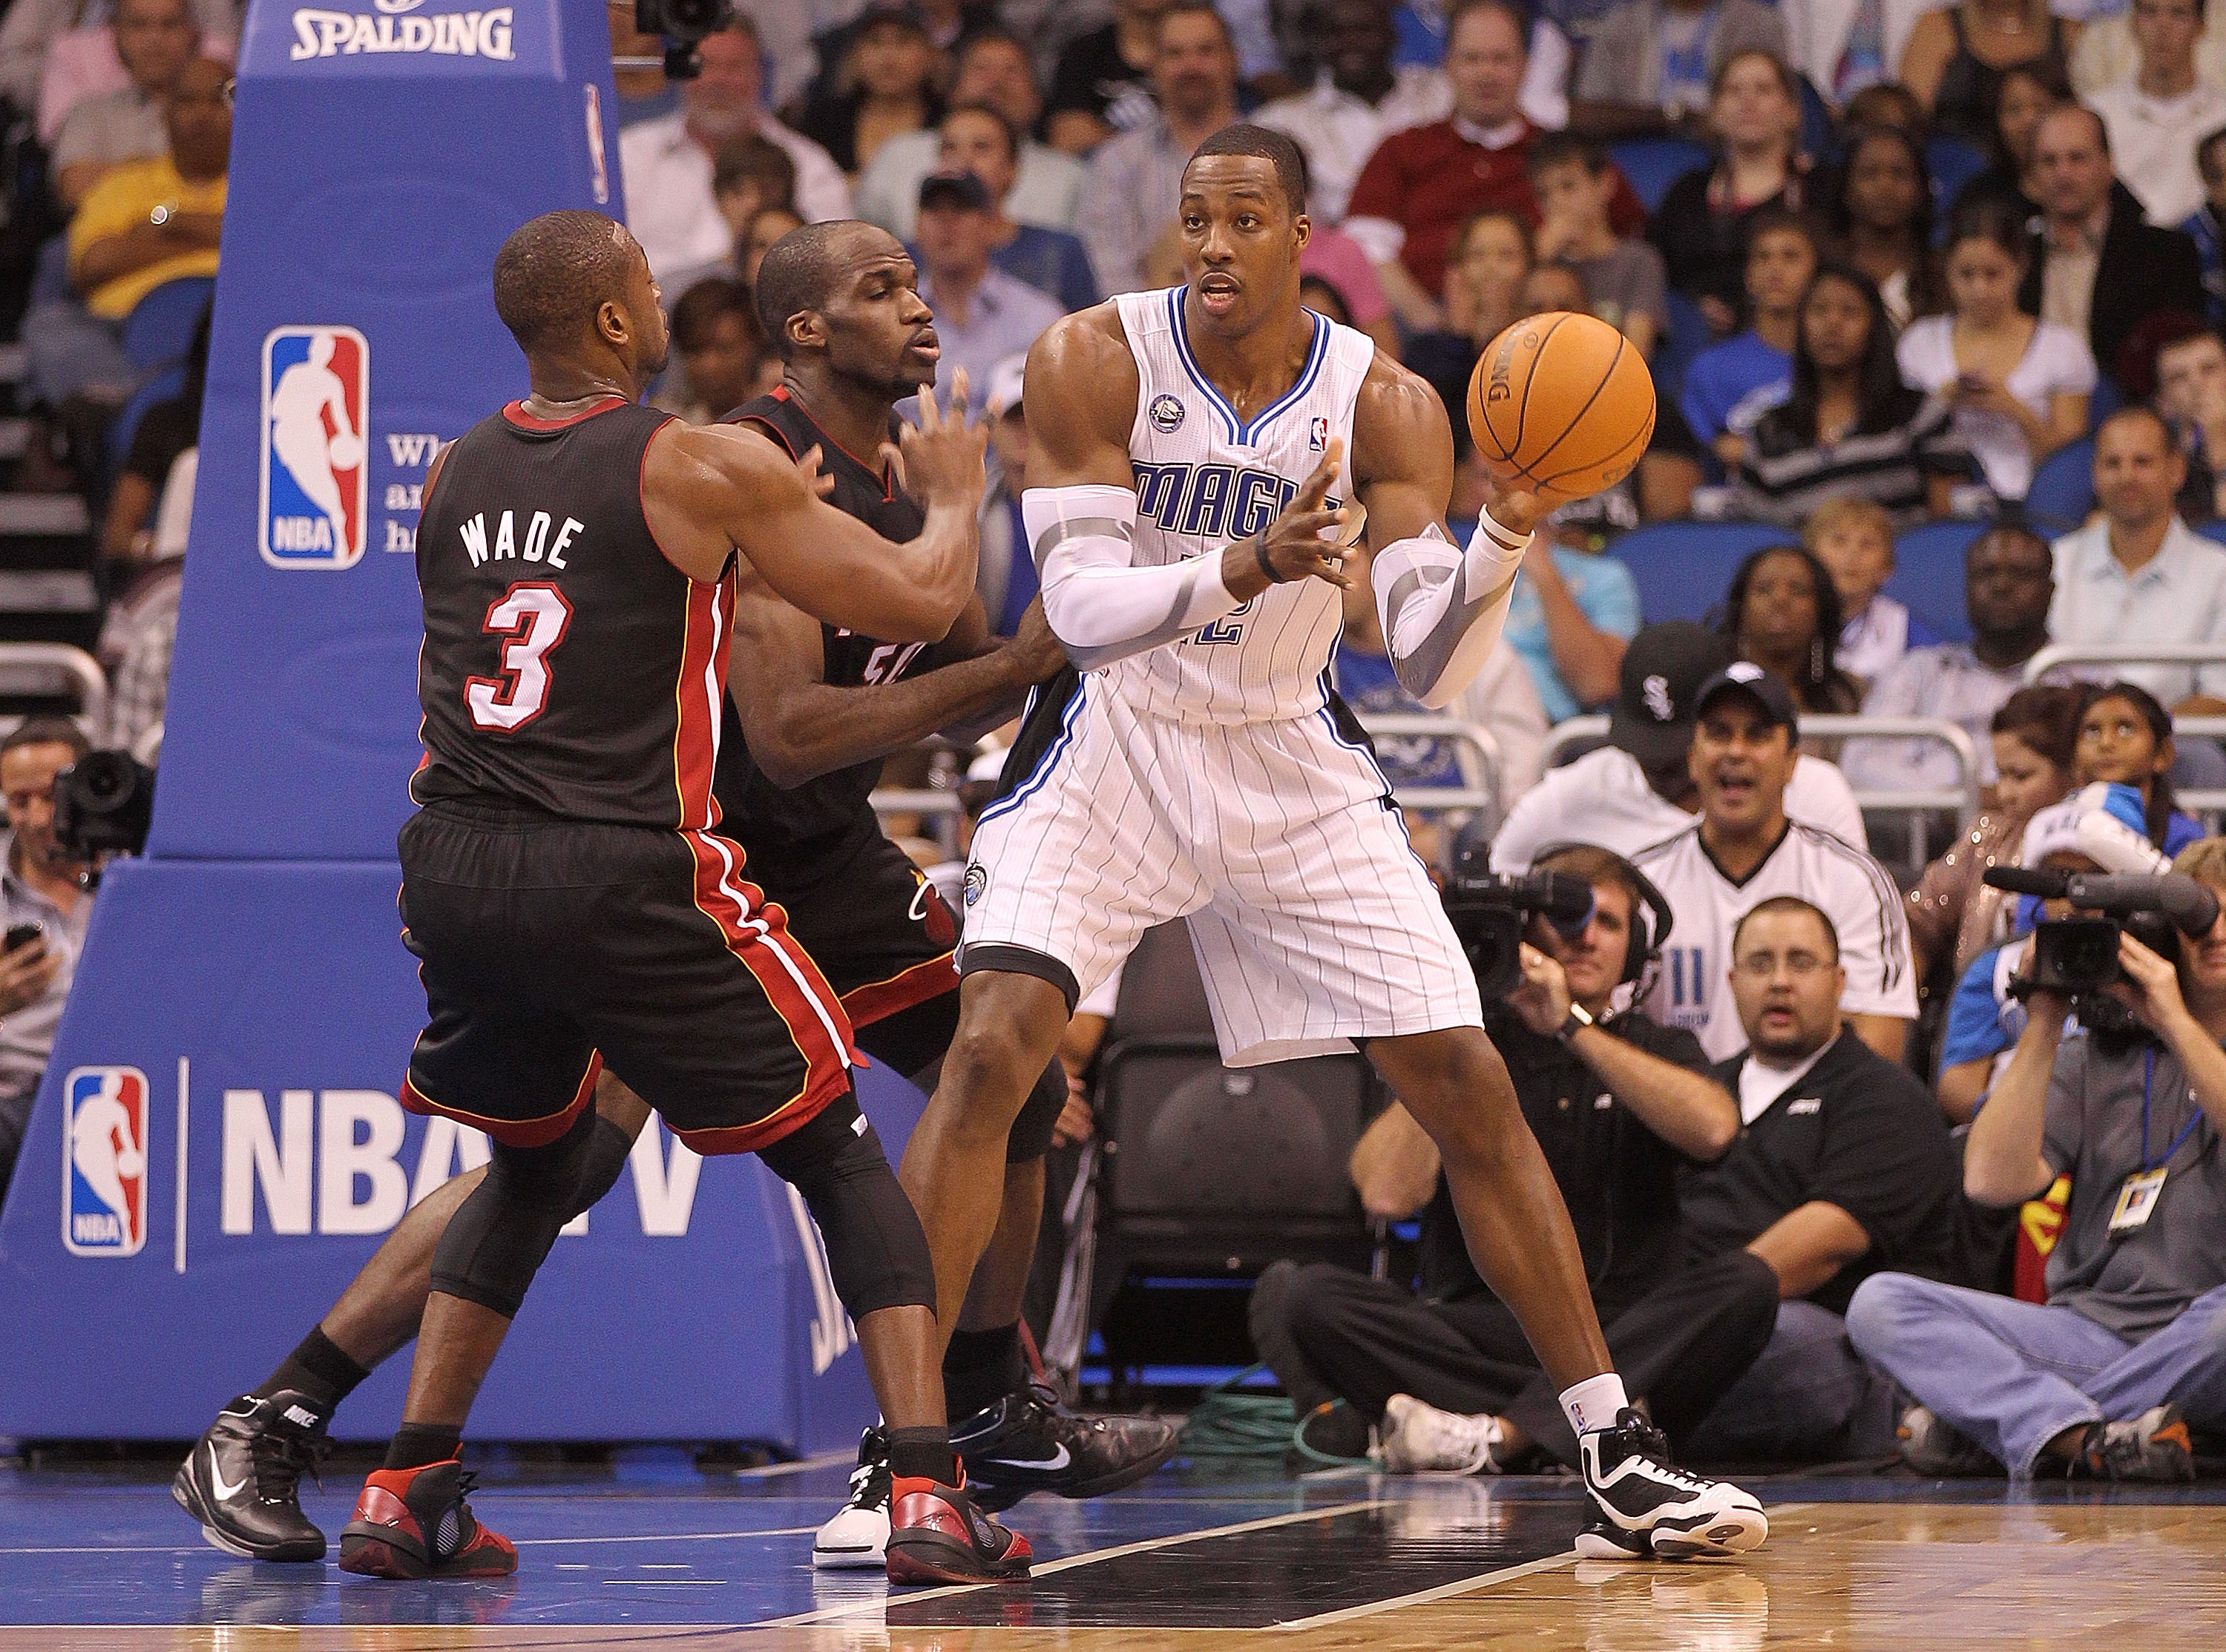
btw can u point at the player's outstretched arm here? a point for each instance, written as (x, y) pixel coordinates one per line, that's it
(1080, 510)
(713, 490)
(1442, 608)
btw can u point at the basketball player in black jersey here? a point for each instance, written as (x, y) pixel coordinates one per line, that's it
(813, 710)
(567, 897)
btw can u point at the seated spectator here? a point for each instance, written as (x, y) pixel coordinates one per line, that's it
(1624, 280)
(1705, 223)
(156, 39)
(1654, 66)
(2191, 393)
(2007, 587)
(1782, 614)
(1005, 574)
(2109, 51)
(1333, 259)
(982, 314)
(2137, 572)
(1357, 100)
(2095, 266)
(39, 885)
(668, 163)
(1104, 81)
(750, 174)
(2125, 739)
(1730, 386)
(166, 430)
(1957, 56)
(1135, 179)
(770, 223)
(32, 40)
(2019, 386)
(2157, 115)
(139, 633)
(1449, 1377)
(723, 360)
(976, 139)
(1673, 467)
(994, 69)
(2104, 1379)
(1638, 788)
(2024, 96)
(1841, 1170)
(1850, 429)
(2206, 226)
(1881, 209)
(1854, 538)
(1743, 850)
(885, 89)
(1848, 53)
(1487, 259)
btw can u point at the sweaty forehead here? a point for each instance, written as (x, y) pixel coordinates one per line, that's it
(867, 252)
(1233, 176)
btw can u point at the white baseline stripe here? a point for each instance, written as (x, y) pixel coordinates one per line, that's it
(774, 1470)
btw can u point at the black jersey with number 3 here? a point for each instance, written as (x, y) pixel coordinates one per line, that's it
(569, 668)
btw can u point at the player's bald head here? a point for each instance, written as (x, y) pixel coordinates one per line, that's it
(556, 271)
(808, 266)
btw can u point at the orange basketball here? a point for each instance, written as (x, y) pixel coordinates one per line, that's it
(1562, 405)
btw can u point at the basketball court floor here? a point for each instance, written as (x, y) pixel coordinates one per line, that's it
(652, 1553)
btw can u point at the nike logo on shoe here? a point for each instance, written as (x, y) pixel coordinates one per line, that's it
(223, 1493)
(1051, 1465)
(299, 1418)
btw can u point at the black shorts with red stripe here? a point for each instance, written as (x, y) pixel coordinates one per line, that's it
(549, 947)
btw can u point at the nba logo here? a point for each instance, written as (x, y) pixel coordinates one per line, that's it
(1317, 436)
(315, 477)
(104, 1162)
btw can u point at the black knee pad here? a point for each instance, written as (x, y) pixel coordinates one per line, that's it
(876, 1251)
(500, 1235)
(605, 1157)
(1031, 1130)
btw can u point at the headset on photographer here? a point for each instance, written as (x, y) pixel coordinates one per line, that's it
(1639, 959)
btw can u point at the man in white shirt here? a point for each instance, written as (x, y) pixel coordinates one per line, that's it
(2158, 114)
(1742, 851)
(2106, 53)
(1638, 788)
(1357, 100)
(667, 162)
(2137, 573)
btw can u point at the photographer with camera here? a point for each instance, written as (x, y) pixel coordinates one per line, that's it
(43, 911)
(2105, 1378)
(1618, 1104)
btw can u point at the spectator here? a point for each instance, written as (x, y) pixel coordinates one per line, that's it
(1005, 576)
(1705, 223)
(2019, 386)
(166, 430)
(2108, 52)
(1850, 429)
(1584, 526)
(1783, 615)
(2008, 587)
(2138, 572)
(992, 69)
(2104, 1378)
(1957, 56)
(1730, 386)
(1849, 51)
(1333, 259)
(978, 139)
(1135, 179)
(1488, 257)
(2191, 393)
(1638, 788)
(1841, 1170)
(1450, 1377)
(1854, 538)
(32, 27)
(2125, 739)
(38, 884)
(1882, 213)
(1105, 79)
(2157, 115)
(2096, 268)
(982, 314)
(145, 223)
(1624, 278)
(768, 226)
(722, 353)
(1657, 66)
(2206, 226)
(750, 174)
(1357, 100)
(139, 633)
(2024, 97)
(887, 88)
(668, 166)
(155, 39)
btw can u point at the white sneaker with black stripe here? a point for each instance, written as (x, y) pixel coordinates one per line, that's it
(1643, 1506)
(858, 1533)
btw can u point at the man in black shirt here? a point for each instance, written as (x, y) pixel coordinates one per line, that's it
(1618, 1104)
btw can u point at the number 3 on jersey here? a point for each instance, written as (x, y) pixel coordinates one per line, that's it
(534, 619)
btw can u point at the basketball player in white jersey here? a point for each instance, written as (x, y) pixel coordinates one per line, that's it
(1188, 452)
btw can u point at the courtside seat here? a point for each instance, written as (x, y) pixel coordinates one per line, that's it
(2063, 489)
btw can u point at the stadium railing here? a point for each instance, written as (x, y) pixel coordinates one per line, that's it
(55, 668)
(1442, 800)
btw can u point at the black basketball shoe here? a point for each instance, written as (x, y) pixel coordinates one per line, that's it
(242, 1480)
(1029, 1442)
(1642, 1505)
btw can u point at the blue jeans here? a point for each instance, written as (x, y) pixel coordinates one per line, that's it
(2012, 1375)
(1807, 1399)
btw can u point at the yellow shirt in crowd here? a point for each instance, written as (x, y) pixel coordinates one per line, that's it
(121, 200)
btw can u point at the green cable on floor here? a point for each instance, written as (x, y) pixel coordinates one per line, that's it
(1227, 1423)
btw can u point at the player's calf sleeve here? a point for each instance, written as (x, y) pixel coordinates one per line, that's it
(1443, 610)
(876, 1251)
(500, 1235)
(1031, 1131)
(605, 1157)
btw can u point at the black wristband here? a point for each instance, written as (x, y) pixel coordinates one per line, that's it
(1260, 555)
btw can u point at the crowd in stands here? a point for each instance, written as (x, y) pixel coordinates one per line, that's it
(1895, 263)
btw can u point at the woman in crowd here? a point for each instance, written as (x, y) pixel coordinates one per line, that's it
(768, 226)
(1881, 209)
(1956, 58)
(1851, 429)
(1783, 615)
(888, 89)
(2019, 386)
(1700, 227)
(2025, 95)
(2125, 737)
(1488, 258)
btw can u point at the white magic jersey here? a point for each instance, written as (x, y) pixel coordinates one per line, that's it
(1205, 477)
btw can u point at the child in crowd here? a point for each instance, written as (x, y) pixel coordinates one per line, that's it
(1574, 181)
(2125, 737)
(1854, 538)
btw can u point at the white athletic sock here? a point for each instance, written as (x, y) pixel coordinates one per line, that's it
(1594, 1403)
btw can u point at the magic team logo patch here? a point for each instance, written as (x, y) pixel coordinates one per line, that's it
(1167, 415)
(977, 880)
(104, 1162)
(316, 382)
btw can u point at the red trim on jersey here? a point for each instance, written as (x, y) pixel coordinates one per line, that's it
(511, 1133)
(880, 998)
(515, 414)
(757, 933)
(696, 693)
(780, 393)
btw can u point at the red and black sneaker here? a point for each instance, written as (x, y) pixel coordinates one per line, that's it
(937, 1536)
(415, 1523)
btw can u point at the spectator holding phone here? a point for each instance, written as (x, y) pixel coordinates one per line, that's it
(38, 887)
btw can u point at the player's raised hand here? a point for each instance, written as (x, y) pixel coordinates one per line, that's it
(940, 462)
(1293, 547)
(819, 481)
(1516, 509)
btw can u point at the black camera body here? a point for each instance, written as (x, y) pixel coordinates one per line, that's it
(2077, 958)
(1490, 911)
(683, 25)
(104, 804)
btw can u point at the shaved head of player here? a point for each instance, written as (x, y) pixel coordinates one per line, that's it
(1786, 980)
(1741, 761)
(575, 292)
(841, 302)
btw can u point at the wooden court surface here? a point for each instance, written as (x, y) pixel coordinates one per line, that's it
(1887, 1574)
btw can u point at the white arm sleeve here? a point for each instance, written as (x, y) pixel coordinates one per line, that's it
(1100, 608)
(1443, 610)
